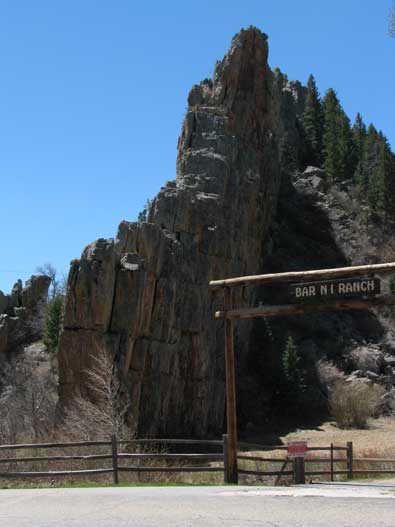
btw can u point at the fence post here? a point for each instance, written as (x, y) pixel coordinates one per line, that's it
(332, 478)
(227, 461)
(114, 451)
(299, 471)
(349, 460)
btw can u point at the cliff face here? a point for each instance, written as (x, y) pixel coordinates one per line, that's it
(22, 312)
(144, 297)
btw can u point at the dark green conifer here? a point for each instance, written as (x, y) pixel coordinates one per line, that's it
(381, 188)
(339, 157)
(331, 107)
(313, 124)
(53, 323)
(347, 159)
(359, 137)
(371, 152)
(291, 365)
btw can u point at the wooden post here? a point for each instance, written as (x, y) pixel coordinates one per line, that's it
(349, 460)
(331, 461)
(226, 458)
(231, 418)
(299, 471)
(114, 451)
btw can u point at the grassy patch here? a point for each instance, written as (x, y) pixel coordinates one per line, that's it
(86, 485)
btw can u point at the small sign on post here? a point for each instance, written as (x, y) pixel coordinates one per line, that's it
(297, 449)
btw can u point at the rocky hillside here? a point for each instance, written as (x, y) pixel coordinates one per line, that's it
(318, 225)
(239, 206)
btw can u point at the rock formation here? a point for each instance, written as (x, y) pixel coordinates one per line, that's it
(144, 296)
(21, 312)
(240, 205)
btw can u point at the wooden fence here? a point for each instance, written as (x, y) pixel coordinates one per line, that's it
(117, 456)
(339, 461)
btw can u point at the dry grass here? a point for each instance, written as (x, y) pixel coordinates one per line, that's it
(378, 437)
(375, 441)
(197, 478)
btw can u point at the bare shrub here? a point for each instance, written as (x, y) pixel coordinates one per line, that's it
(351, 405)
(28, 396)
(102, 413)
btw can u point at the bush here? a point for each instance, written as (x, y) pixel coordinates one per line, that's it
(351, 405)
(143, 215)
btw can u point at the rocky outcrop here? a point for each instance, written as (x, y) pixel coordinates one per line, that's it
(240, 204)
(22, 312)
(144, 296)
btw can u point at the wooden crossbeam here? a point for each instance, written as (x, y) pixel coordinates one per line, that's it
(298, 309)
(304, 276)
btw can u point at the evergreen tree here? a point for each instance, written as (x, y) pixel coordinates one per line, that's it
(347, 158)
(313, 124)
(390, 186)
(386, 167)
(339, 158)
(53, 323)
(331, 107)
(359, 137)
(291, 365)
(371, 153)
(381, 189)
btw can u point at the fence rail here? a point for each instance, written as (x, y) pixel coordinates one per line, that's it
(350, 469)
(116, 458)
(198, 462)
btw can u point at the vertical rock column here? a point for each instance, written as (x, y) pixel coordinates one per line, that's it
(145, 297)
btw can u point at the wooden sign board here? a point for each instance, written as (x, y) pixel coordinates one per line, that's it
(335, 289)
(297, 449)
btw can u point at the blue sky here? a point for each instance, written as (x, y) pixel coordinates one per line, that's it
(93, 93)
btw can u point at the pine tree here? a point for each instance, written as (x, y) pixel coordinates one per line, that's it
(359, 137)
(291, 366)
(390, 187)
(381, 190)
(331, 108)
(53, 323)
(339, 157)
(347, 158)
(371, 153)
(313, 124)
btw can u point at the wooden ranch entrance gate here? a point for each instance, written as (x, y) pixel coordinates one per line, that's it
(308, 291)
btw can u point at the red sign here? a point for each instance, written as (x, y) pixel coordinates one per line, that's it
(297, 448)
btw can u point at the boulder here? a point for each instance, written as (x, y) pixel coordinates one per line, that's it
(367, 358)
(389, 360)
(372, 376)
(312, 172)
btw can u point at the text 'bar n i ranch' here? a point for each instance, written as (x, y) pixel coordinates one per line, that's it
(352, 287)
